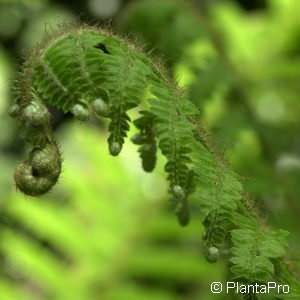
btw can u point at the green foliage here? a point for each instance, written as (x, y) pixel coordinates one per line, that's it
(146, 138)
(90, 72)
(253, 251)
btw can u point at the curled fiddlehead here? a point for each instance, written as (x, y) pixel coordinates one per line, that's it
(41, 170)
(89, 72)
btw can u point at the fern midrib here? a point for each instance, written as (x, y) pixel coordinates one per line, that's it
(49, 72)
(174, 153)
(81, 62)
(175, 116)
(121, 90)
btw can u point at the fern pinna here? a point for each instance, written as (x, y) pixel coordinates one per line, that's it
(91, 73)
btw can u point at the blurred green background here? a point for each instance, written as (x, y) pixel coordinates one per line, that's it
(107, 230)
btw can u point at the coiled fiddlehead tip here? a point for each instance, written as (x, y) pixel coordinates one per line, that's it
(46, 160)
(40, 172)
(80, 112)
(181, 205)
(14, 110)
(101, 108)
(212, 254)
(30, 183)
(178, 192)
(35, 114)
(115, 148)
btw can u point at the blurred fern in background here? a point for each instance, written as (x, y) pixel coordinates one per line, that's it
(103, 234)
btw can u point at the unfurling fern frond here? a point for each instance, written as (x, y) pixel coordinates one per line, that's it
(90, 72)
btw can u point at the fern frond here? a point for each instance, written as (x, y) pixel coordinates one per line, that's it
(253, 252)
(90, 72)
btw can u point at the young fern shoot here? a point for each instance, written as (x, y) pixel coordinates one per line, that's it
(89, 72)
